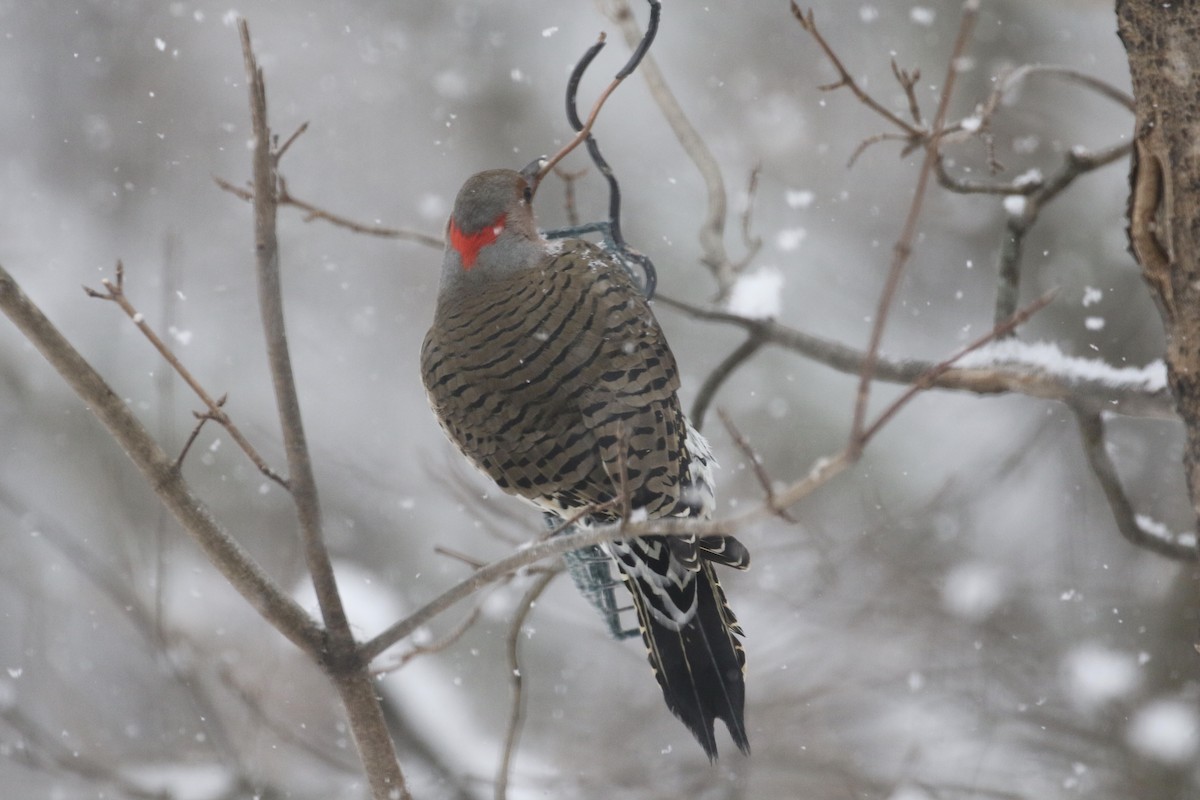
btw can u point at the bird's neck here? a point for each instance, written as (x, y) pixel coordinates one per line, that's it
(506, 259)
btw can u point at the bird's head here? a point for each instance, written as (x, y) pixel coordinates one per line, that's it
(492, 225)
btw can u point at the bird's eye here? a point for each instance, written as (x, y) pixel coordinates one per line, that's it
(528, 193)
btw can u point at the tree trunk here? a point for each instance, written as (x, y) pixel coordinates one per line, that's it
(1163, 43)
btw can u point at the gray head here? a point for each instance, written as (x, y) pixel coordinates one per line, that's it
(492, 229)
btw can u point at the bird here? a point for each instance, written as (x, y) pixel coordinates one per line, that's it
(547, 369)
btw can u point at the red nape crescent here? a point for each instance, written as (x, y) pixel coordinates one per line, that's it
(468, 246)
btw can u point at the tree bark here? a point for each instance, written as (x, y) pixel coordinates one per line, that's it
(1163, 44)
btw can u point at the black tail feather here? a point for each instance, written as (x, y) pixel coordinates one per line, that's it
(699, 667)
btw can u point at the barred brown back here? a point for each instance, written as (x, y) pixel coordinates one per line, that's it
(539, 379)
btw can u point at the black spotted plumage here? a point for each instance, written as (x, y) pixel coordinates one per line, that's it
(548, 370)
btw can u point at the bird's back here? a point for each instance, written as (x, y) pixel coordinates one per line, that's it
(544, 374)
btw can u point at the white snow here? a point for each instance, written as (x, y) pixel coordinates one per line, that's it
(1030, 177)
(1154, 528)
(1047, 357)
(183, 781)
(909, 793)
(1091, 296)
(971, 124)
(181, 336)
(922, 15)
(1094, 323)
(868, 14)
(1167, 731)
(160, 44)
(758, 295)
(548, 32)
(790, 238)
(433, 207)
(972, 591)
(798, 198)
(1095, 675)
(1015, 204)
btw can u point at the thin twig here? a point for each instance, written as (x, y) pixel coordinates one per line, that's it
(614, 237)
(115, 292)
(457, 556)
(593, 115)
(756, 463)
(721, 373)
(315, 212)
(516, 714)
(1091, 434)
(751, 242)
(903, 247)
(201, 418)
(908, 82)
(808, 23)
(866, 144)
(927, 380)
(283, 148)
(569, 179)
(1011, 79)
(436, 646)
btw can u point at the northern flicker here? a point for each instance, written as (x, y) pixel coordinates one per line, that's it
(548, 370)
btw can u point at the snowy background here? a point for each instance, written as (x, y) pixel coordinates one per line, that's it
(955, 617)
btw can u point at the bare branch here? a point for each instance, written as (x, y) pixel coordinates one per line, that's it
(721, 373)
(242, 572)
(903, 247)
(115, 292)
(809, 24)
(283, 148)
(760, 472)
(516, 714)
(436, 646)
(285, 198)
(614, 237)
(750, 241)
(908, 82)
(1090, 392)
(585, 131)
(339, 655)
(926, 380)
(1091, 434)
(304, 491)
(569, 179)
